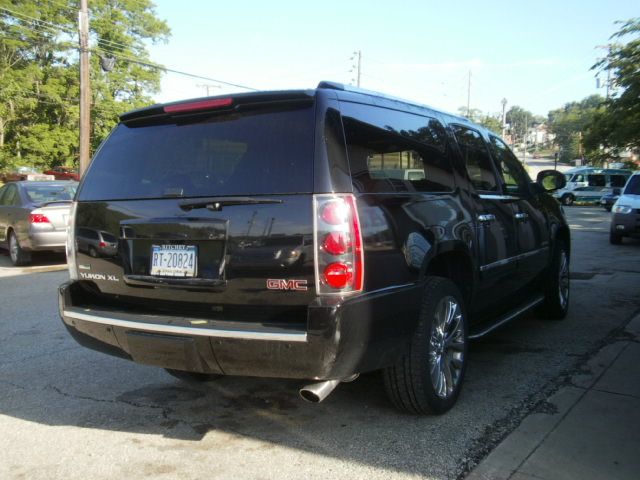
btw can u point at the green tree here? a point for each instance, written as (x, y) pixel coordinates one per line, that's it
(569, 125)
(617, 126)
(519, 121)
(39, 74)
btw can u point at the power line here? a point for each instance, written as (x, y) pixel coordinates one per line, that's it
(43, 26)
(43, 23)
(171, 70)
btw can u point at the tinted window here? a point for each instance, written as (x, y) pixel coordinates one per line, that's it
(633, 186)
(392, 151)
(476, 159)
(513, 175)
(265, 152)
(49, 193)
(2, 190)
(618, 180)
(596, 180)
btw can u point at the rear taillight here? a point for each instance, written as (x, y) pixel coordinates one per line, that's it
(38, 218)
(339, 257)
(102, 244)
(71, 242)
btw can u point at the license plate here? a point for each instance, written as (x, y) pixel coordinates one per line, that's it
(174, 260)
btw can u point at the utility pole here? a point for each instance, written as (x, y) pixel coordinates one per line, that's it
(469, 97)
(207, 87)
(504, 116)
(85, 87)
(358, 66)
(524, 152)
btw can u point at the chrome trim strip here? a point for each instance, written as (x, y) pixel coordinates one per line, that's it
(283, 336)
(497, 197)
(508, 318)
(505, 261)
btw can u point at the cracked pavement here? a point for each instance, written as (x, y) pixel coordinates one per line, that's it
(68, 412)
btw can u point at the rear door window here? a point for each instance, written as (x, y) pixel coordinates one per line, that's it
(392, 151)
(618, 180)
(476, 159)
(264, 152)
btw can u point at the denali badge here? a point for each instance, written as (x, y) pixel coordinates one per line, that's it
(281, 284)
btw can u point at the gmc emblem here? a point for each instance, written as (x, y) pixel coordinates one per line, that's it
(281, 284)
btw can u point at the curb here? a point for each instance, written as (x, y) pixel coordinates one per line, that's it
(8, 272)
(510, 455)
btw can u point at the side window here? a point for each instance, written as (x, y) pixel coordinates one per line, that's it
(597, 180)
(618, 180)
(2, 192)
(10, 196)
(391, 151)
(476, 159)
(513, 174)
(578, 178)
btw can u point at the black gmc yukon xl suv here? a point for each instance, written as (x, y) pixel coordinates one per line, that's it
(311, 234)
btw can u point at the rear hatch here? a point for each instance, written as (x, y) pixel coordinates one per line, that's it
(211, 204)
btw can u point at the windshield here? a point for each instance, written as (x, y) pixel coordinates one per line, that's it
(50, 193)
(264, 152)
(633, 186)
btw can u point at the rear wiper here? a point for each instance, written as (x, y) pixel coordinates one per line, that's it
(215, 204)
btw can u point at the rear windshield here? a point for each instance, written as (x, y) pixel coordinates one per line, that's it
(249, 154)
(50, 193)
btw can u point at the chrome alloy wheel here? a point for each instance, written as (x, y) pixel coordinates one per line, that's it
(446, 347)
(563, 279)
(13, 247)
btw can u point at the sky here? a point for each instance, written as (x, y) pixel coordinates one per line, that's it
(534, 54)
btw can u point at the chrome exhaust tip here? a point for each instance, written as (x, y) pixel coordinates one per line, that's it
(317, 392)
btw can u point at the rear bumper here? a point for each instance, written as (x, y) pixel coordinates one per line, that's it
(52, 240)
(338, 337)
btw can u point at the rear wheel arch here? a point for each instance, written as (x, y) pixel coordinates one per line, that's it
(455, 264)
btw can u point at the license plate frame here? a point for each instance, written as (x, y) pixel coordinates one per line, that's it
(174, 261)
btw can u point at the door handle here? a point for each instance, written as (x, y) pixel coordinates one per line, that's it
(522, 216)
(486, 218)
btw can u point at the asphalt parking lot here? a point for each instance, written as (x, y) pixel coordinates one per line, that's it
(68, 412)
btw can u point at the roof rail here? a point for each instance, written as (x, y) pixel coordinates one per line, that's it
(350, 88)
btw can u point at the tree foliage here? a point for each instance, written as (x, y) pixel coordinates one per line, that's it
(617, 126)
(569, 124)
(39, 74)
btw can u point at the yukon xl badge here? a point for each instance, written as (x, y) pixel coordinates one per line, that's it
(281, 284)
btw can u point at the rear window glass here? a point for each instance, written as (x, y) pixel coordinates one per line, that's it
(49, 193)
(265, 152)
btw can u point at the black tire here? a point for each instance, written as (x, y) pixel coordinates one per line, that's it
(410, 383)
(567, 199)
(17, 255)
(192, 377)
(557, 285)
(615, 238)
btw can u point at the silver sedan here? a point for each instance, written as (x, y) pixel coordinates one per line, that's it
(33, 217)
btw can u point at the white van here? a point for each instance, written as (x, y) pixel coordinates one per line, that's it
(589, 184)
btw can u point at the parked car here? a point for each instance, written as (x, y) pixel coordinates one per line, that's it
(63, 173)
(608, 199)
(33, 217)
(24, 173)
(625, 221)
(399, 271)
(96, 243)
(589, 184)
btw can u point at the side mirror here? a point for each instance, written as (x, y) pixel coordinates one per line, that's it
(617, 191)
(551, 180)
